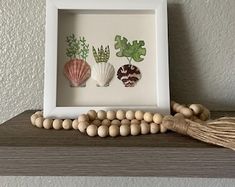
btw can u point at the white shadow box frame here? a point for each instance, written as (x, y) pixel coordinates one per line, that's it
(159, 46)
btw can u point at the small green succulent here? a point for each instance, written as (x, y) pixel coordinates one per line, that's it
(101, 55)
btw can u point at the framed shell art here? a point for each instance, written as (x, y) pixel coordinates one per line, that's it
(105, 54)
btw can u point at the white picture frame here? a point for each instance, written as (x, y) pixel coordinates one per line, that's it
(50, 77)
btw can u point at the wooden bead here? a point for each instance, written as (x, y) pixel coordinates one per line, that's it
(187, 112)
(91, 130)
(130, 115)
(106, 122)
(196, 108)
(162, 129)
(116, 122)
(135, 129)
(125, 122)
(111, 115)
(92, 115)
(33, 118)
(145, 128)
(174, 105)
(67, 124)
(82, 126)
(75, 124)
(40, 113)
(103, 131)
(120, 114)
(207, 113)
(157, 118)
(101, 114)
(125, 130)
(135, 121)
(203, 116)
(96, 122)
(114, 130)
(148, 117)
(47, 123)
(179, 108)
(154, 128)
(139, 115)
(57, 124)
(39, 122)
(83, 117)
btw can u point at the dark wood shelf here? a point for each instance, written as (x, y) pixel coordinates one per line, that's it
(29, 151)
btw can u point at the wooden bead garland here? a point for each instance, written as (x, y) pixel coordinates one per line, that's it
(123, 123)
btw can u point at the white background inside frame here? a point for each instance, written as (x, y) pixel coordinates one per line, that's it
(99, 27)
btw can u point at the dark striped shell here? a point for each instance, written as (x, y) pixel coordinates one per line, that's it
(129, 75)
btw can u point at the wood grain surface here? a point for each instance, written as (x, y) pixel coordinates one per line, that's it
(28, 151)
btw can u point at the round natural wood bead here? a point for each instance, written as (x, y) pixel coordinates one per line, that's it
(207, 113)
(148, 117)
(67, 124)
(157, 118)
(203, 116)
(120, 114)
(47, 123)
(130, 115)
(40, 113)
(187, 112)
(125, 122)
(33, 118)
(92, 130)
(92, 115)
(101, 114)
(114, 130)
(111, 115)
(103, 131)
(96, 122)
(139, 115)
(116, 122)
(179, 108)
(125, 130)
(154, 128)
(144, 128)
(135, 129)
(39, 122)
(83, 117)
(82, 126)
(135, 121)
(174, 105)
(75, 124)
(106, 122)
(196, 108)
(57, 124)
(162, 129)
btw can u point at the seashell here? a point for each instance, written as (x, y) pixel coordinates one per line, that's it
(129, 75)
(77, 71)
(102, 73)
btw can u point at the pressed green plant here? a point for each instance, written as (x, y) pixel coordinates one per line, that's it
(77, 48)
(132, 51)
(101, 55)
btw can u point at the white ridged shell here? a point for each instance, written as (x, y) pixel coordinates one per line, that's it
(102, 73)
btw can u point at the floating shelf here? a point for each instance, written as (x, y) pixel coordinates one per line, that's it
(29, 151)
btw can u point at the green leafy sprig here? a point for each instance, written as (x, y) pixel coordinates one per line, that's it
(102, 55)
(84, 48)
(77, 48)
(132, 51)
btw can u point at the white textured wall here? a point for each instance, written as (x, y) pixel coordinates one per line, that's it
(202, 54)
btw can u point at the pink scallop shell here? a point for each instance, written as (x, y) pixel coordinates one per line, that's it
(77, 71)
